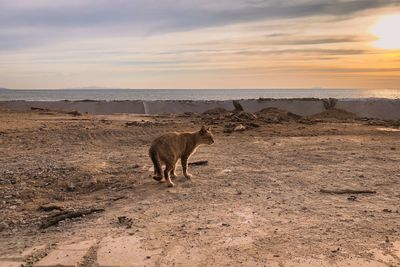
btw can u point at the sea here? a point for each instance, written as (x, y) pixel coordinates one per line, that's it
(190, 94)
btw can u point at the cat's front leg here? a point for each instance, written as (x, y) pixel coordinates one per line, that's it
(184, 161)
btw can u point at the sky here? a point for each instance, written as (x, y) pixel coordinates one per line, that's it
(48, 44)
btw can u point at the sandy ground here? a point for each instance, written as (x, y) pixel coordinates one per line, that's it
(257, 202)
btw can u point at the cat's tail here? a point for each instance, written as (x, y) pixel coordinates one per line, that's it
(157, 165)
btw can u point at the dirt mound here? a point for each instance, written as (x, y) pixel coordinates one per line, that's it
(216, 111)
(334, 114)
(276, 115)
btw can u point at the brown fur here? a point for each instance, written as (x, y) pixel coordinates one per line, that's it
(169, 148)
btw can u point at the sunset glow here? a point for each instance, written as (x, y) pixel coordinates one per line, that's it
(388, 32)
(200, 44)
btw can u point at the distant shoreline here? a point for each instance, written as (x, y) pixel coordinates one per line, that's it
(192, 94)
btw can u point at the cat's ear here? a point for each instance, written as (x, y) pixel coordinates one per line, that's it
(208, 129)
(203, 129)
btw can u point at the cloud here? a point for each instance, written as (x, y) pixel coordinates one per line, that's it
(69, 19)
(169, 15)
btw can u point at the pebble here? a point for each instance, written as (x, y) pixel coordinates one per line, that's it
(3, 226)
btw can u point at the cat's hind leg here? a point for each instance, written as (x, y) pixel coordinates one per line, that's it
(168, 168)
(172, 172)
(157, 165)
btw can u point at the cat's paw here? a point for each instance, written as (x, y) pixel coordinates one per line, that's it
(157, 178)
(171, 184)
(188, 176)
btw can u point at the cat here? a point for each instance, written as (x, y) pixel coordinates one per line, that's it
(169, 148)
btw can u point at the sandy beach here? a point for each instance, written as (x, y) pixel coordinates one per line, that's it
(263, 198)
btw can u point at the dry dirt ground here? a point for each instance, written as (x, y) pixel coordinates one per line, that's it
(256, 203)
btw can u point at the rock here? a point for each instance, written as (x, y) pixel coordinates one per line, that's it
(125, 221)
(352, 198)
(3, 226)
(228, 128)
(70, 187)
(252, 125)
(239, 128)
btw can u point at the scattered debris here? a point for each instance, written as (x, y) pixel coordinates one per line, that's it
(188, 114)
(52, 111)
(70, 187)
(3, 226)
(125, 221)
(233, 127)
(50, 207)
(252, 125)
(347, 191)
(55, 219)
(238, 106)
(243, 116)
(118, 198)
(239, 128)
(74, 113)
(276, 115)
(335, 250)
(352, 198)
(142, 123)
(229, 128)
(40, 109)
(198, 163)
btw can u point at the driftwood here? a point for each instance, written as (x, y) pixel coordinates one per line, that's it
(53, 220)
(198, 163)
(50, 207)
(118, 198)
(347, 191)
(237, 105)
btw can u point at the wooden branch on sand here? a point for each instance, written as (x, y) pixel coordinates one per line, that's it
(50, 207)
(198, 163)
(347, 191)
(52, 220)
